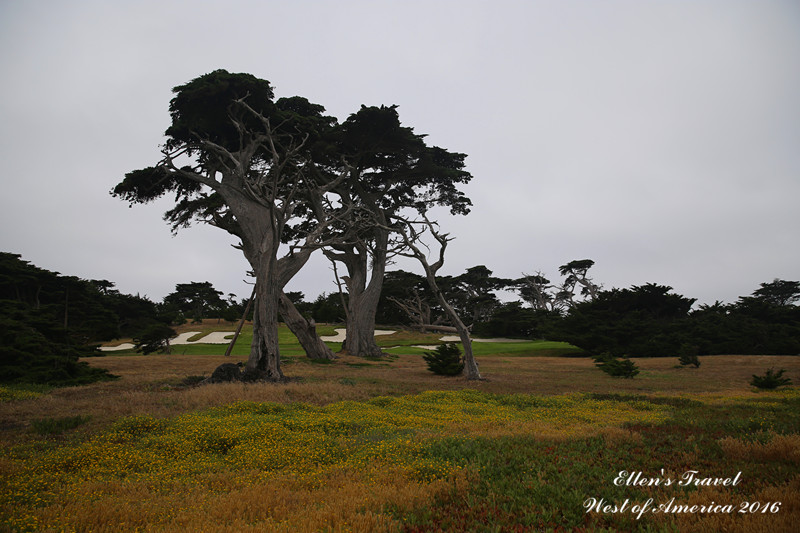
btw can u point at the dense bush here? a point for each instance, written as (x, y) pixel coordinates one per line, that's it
(445, 360)
(326, 308)
(616, 367)
(643, 321)
(771, 380)
(688, 356)
(33, 349)
(509, 320)
(689, 359)
(48, 321)
(154, 339)
(56, 426)
(651, 321)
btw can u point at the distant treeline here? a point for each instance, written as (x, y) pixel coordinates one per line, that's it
(48, 321)
(641, 321)
(652, 321)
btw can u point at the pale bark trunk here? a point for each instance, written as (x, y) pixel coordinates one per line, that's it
(417, 311)
(272, 274)
(360, 337)
(590, 287)
(304, 330)
(240, 324)
(261, 249)
(265, 360)
(363, 297)
(470, 365)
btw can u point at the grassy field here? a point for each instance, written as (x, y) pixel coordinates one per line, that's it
(384, 445)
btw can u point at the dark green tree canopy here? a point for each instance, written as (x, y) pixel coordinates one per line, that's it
(779, 292)
(578, 267)
(576, 274)
(203, 109)
(656, 301)
(403, 293)
(643, 321)
(196, 299)
(221, 115)
(473, 292)
(394, 167)
(48, 321)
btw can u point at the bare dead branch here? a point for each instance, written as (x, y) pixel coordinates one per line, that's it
(341, 293)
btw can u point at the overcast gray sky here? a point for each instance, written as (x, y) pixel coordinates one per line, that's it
(659, 138)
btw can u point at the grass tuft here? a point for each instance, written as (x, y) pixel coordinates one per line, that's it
(57, 426)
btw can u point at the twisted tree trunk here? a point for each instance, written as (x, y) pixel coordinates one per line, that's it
(362, 306)
(240, 324)
(264, 361)
(304, 330)
(363, 297)
(470, 365)
(411, 236)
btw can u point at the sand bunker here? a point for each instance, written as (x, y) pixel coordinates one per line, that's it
(341, 334)
(219, 337)
(216, 337)
(224, 337)
(456, 338)
(123, 346)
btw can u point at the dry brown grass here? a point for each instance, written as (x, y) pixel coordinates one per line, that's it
(346, 502)
(613, 435)
(784, 521)
(152, 384)
(779, 448)
(207, 325)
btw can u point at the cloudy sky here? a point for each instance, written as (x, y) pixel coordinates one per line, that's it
(659, 138)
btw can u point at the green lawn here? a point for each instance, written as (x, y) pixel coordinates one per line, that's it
(401, 342)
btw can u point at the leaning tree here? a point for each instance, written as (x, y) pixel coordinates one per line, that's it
(576, 274)
(411, 232)
(541, 294)
(391, 170)
(239, 160)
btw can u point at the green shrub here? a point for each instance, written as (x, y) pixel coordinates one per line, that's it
(11, 393)
(771, 380)
(689, 359)
(616, 367)
(56, 426)
(155, 338)
(191, 381)
(137, 426)
(445, 361)
(687, 355)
